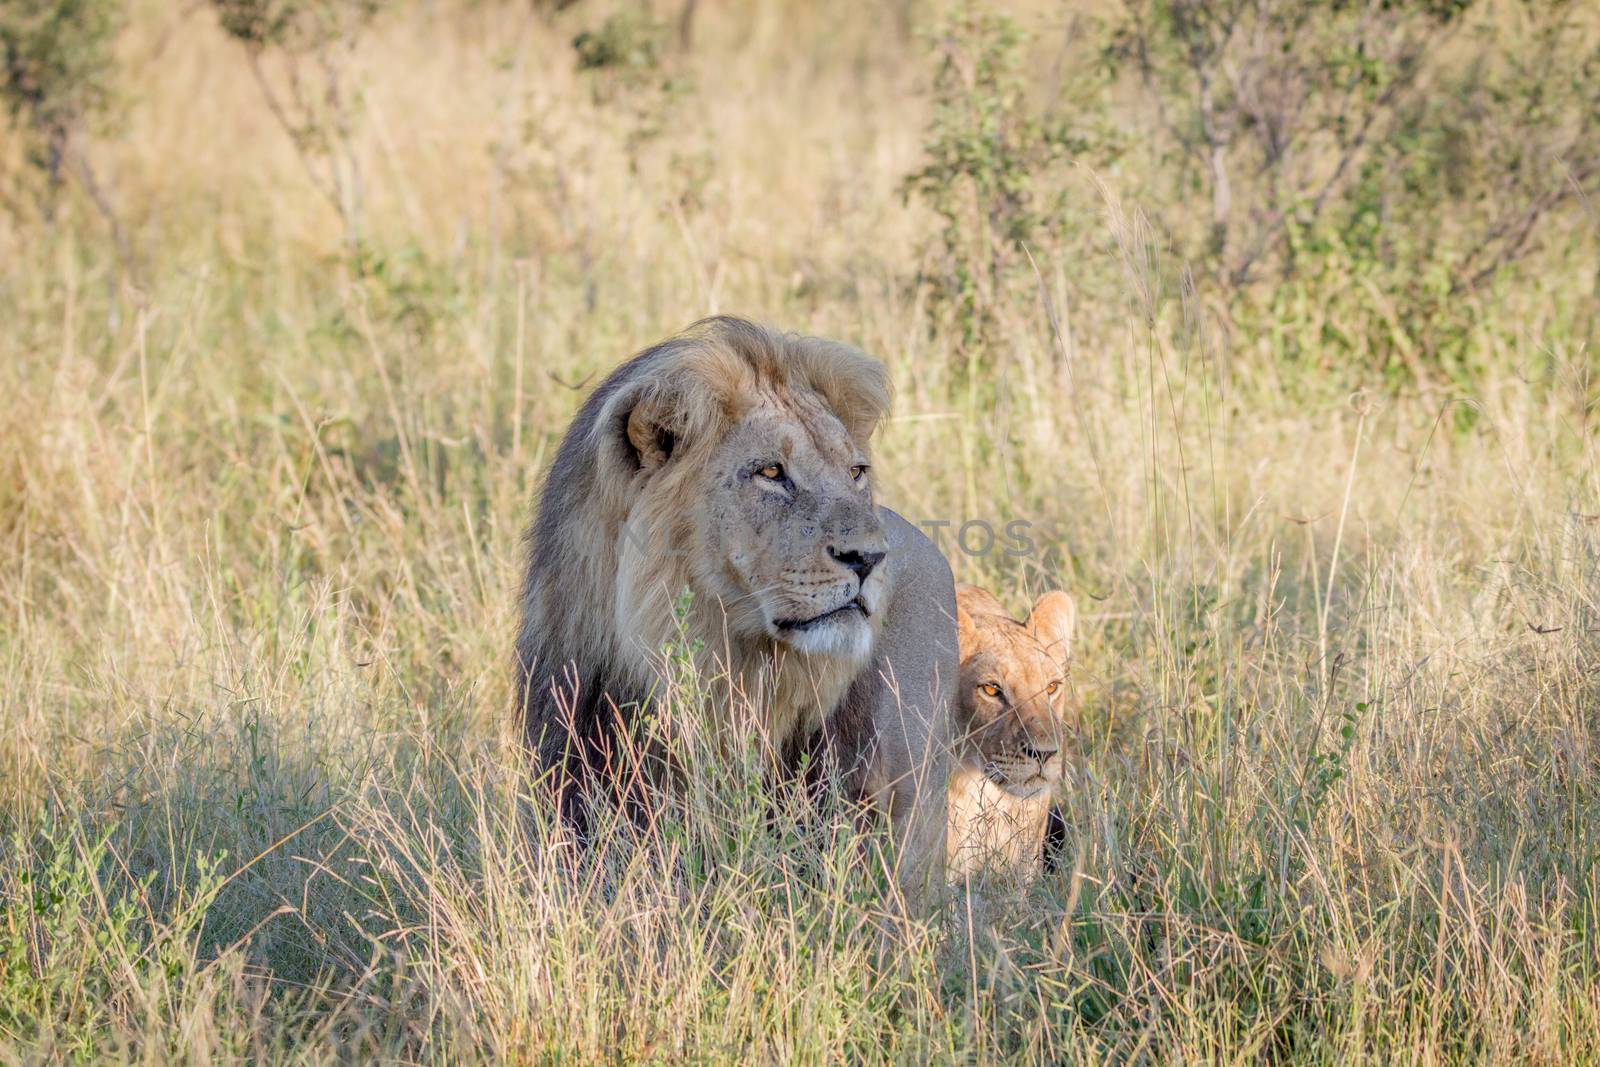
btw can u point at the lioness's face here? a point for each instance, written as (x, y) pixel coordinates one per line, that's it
(1011, 716)
(789, 530)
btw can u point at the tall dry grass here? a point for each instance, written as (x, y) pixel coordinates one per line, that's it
(259, 519)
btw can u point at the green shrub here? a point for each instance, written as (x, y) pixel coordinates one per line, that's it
(624, 62)
(57, 71)
(81, 946)
(627, 42)
(992, 171)
(1366, 169)
(315, 101)
(57, 80)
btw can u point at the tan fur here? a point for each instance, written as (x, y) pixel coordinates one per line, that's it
(1008, 750)
(656, 490)
(685, 536)
(992, 831)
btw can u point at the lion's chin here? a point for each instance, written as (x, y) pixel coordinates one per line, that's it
(844, 635)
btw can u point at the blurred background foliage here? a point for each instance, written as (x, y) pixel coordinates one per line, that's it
(1351, 185)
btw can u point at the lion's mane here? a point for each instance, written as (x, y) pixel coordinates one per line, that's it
(591, 614)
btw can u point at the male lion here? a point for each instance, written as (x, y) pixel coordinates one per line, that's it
(731, 462)
(1008, 724)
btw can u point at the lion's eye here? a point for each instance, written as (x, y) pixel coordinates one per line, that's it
(990, 689)
(1052, 687)
(773, 472)
(858, 472)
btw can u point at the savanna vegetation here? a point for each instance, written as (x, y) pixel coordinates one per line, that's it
(1273, 324)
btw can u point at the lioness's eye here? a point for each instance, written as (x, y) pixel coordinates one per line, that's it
(858, 472)
(990, 689)
(772, 472)
(1052, 687)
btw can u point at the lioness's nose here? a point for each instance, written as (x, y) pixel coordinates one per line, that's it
(1040, 752)
(859, 560)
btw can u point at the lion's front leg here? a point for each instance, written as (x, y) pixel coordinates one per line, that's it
(916, 670)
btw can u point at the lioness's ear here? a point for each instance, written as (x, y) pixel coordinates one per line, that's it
(971, 602)
(1052, 621)
(966, 630)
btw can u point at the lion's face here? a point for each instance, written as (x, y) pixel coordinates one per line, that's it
(1013, 690)
(745, 478)
(786, 532)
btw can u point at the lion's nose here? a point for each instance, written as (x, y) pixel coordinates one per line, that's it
(859, 560)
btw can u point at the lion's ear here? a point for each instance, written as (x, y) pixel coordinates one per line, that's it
(649, 434)
(675, 400)
(643, 426)
(1053, 620)
(855, 386)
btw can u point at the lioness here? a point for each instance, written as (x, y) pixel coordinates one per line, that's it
(1008, 725)
(732, 461)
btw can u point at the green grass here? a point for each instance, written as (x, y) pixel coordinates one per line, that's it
(260, 795)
